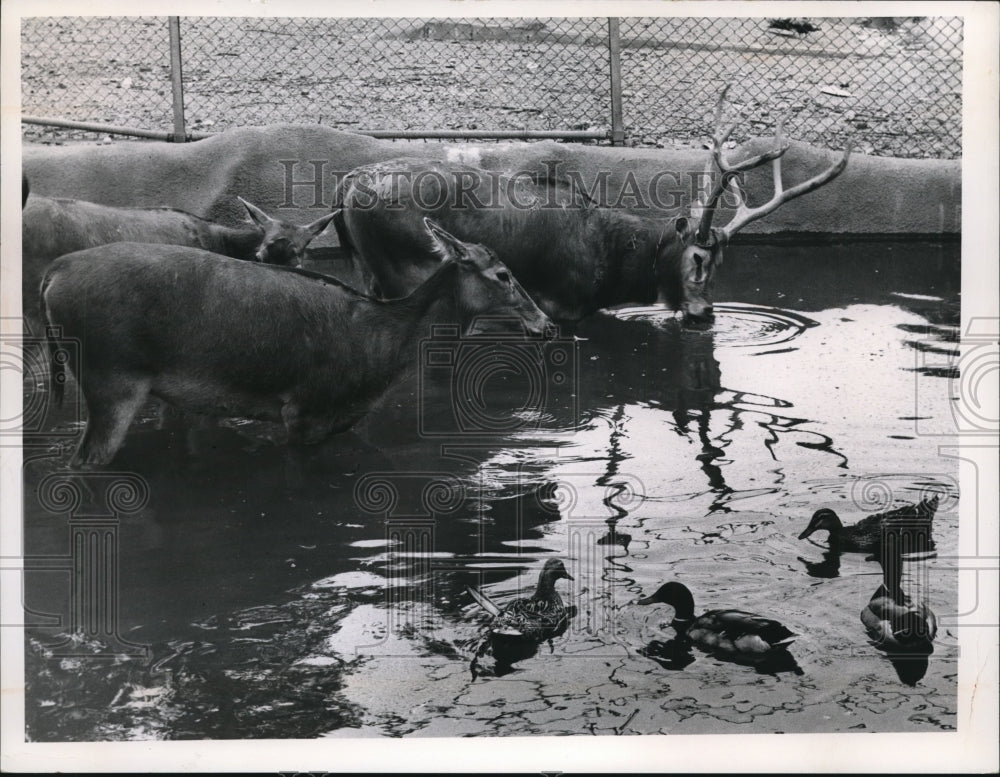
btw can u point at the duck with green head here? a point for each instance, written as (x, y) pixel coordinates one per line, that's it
(864, 536)
(731, 634)
(894, 622)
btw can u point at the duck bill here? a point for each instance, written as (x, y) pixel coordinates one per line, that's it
(805, 534)
(647, 600)
(568, 576)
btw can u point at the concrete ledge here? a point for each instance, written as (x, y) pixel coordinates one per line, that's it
(874, 195)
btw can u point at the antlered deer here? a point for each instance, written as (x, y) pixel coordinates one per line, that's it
(52, 227)
(220, 337)
(573, 259)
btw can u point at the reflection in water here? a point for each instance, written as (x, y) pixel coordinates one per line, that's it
(672, 654)
(614, 537)
(909, 669)
(277, 601)
(677, 371)
(827, 568)
(736, 325)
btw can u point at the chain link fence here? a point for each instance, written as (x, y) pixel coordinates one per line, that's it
(894, 85)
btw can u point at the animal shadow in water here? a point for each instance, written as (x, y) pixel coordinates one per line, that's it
(910, 668)
(778, 662)
(616, 538)
(828, 568)
(496, 654)
(677, 653)
(673, 654)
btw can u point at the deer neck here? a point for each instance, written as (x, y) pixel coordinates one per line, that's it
(397, 326)
(241, 242)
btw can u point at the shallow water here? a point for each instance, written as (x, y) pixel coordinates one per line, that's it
(263, 591)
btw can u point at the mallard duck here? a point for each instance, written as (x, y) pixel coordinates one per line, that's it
(538, 618)
(894, 623)
(865, 535)
(520, 627)
(732, 634)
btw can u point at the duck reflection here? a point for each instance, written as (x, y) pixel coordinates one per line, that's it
(909, 669)
(828, 568)
(672, 654)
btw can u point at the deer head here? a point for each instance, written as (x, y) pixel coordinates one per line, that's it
(705, 243)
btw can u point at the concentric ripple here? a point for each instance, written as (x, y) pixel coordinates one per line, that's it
(736, 325)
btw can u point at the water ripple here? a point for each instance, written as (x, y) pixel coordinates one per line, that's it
(736, 325)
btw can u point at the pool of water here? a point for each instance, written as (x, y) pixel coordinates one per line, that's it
(252, 590)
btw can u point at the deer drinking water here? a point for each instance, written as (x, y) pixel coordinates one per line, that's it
(573, 259)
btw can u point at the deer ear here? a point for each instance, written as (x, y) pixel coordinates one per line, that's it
(259, 216)
(443, 243)
(321, 223)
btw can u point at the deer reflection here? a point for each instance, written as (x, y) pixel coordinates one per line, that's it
(699, 380)
(674, 369)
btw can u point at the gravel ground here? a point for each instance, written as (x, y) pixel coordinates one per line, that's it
(895, 91)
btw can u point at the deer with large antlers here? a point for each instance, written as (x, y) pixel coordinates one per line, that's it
(706, 235)
(573, 259)
(704, 253)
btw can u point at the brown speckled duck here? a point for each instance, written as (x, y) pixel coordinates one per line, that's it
(865, 535)
(518, 628)
(537, 618)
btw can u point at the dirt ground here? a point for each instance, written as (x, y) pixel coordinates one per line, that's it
(895, 89)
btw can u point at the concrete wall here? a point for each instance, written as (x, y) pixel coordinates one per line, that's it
(872, 196)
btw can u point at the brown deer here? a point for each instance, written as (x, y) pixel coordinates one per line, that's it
(573, 259)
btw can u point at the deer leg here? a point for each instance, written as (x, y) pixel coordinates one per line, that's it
(291, 417)
(112, 403)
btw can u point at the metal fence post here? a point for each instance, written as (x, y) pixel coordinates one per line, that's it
(179, 134)
(615, 55)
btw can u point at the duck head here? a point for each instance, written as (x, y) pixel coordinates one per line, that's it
(677, 596)
(554, 570)
(823, 519)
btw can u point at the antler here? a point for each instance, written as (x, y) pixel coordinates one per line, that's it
(745, 215)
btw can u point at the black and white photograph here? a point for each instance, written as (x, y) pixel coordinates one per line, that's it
(396, 386)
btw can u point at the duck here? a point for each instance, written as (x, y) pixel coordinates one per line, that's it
(730, 634)
(865, 535)
(536, 618)
(518, 628)
(893, 621)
